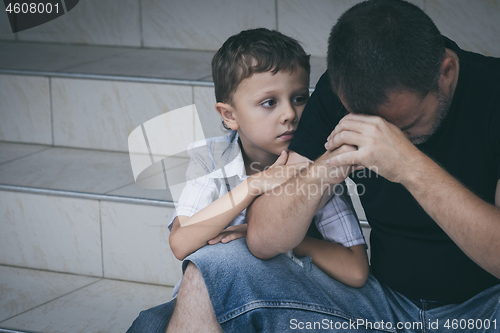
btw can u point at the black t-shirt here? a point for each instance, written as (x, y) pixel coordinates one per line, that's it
(409, 252)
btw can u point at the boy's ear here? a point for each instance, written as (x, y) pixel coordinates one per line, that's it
(227, 113)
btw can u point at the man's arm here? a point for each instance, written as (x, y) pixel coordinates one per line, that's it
(473, 224)
(279, 220)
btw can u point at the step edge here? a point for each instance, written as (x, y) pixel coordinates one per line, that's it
(88, 196)
(106, 77)
(14, 330)
(102, 197)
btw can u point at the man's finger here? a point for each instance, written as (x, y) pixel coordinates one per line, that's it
(349, 158)
(367, 118)
(351, 126)
(346, 138)
(357, 123)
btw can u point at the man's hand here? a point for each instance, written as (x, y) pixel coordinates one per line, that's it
(382, 147)
(334, 174)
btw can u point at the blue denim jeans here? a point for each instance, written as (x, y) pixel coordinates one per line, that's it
(287, 293)
(154, 320)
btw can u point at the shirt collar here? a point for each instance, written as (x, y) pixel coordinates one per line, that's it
(234, 168)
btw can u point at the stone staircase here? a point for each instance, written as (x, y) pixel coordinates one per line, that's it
(82, 247)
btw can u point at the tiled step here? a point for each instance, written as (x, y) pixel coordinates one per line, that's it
(79, 211)
(41, 301)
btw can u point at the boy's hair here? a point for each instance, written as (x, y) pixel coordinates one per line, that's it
(254, 51)
(383, 46)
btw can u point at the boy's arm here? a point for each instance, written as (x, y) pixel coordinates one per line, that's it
(342, 253)
(348, 265)
(188, 234)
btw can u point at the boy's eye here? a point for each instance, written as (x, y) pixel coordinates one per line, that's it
(300, 99)
(269, 103)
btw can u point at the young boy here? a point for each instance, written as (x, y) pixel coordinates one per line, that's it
(261, 80)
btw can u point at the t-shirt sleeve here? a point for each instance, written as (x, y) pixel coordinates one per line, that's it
(496, 125)
(497, 149)
(494, 130)
(321, 114)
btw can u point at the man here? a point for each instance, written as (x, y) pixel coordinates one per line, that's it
(423, 117)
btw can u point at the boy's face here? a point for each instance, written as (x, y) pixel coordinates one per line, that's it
(267, 109)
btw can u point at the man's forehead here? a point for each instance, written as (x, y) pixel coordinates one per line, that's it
(402, 109)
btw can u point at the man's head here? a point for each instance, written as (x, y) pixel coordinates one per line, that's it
(387, 58)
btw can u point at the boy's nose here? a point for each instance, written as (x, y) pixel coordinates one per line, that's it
(289, 114)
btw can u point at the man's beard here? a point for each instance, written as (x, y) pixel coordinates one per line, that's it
(444, 103)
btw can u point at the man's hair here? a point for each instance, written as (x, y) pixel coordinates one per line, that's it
(254, 51)
(383, 46)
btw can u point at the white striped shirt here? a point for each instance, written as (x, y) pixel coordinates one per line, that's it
(216, 166)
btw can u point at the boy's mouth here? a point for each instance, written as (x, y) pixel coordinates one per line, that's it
(288, 135)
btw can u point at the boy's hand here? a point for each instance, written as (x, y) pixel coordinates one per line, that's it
(230, 233)
(275, 175)
(281, 159)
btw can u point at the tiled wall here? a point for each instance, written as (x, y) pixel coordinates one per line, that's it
(87, 237)
(201, 24)
(135, 244)
(92, 22)
(52, 233)
(474, 25)
(100, 114)
(27, 100)
(204, 25)
(94, 114)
